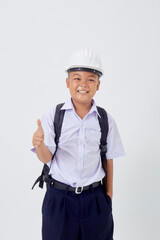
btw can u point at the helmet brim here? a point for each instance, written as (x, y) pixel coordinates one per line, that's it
(87, 69)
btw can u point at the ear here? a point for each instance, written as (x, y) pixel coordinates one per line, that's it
(98, 85)
(67, 82)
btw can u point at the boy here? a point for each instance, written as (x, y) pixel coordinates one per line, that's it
(75, 206)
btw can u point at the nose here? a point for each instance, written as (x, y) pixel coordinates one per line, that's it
(83, 83)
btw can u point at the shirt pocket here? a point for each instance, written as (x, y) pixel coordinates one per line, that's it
(93, 137)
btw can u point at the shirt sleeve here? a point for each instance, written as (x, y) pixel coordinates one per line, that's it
(114, 144)
(47, 122)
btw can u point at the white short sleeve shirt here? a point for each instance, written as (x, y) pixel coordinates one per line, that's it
(77, 161)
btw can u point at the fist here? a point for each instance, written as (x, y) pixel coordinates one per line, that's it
(38, 136)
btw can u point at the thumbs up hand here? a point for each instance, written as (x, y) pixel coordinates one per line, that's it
(38, 136)
(39, 124)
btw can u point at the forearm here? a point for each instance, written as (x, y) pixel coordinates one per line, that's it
(108, 183)
(43, 153)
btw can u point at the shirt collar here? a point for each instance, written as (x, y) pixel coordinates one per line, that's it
(68, 105)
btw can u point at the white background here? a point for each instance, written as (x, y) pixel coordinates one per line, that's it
(36, 40)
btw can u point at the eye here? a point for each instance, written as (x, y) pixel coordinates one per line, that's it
(91, 80)
(77, 79)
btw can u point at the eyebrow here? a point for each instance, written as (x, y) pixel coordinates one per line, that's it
(76, 74)
(92, 75)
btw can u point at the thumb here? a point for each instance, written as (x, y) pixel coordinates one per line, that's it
(39, 124)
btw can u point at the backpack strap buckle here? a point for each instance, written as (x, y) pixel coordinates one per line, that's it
(103, 148)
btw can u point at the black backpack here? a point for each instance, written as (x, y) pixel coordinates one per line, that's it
(58, 120)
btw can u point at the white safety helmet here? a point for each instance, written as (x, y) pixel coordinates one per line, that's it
(85, 60)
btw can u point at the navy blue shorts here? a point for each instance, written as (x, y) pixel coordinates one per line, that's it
(70, 216)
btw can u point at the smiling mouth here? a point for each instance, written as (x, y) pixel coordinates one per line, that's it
(80, 91)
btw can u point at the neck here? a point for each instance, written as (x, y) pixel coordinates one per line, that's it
(82, 108)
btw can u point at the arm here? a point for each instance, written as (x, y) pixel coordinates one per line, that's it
(108, 185)
(43, 153)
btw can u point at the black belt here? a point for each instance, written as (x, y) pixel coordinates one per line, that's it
(78, 190)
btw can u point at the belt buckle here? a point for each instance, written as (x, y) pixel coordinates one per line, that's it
(77, 191)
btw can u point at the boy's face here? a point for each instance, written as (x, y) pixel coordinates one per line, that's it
(83, 86)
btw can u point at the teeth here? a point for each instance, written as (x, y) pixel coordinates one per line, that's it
(83, 91)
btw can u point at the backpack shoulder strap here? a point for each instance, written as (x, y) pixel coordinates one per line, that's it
(103, 121)
(58, 120)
